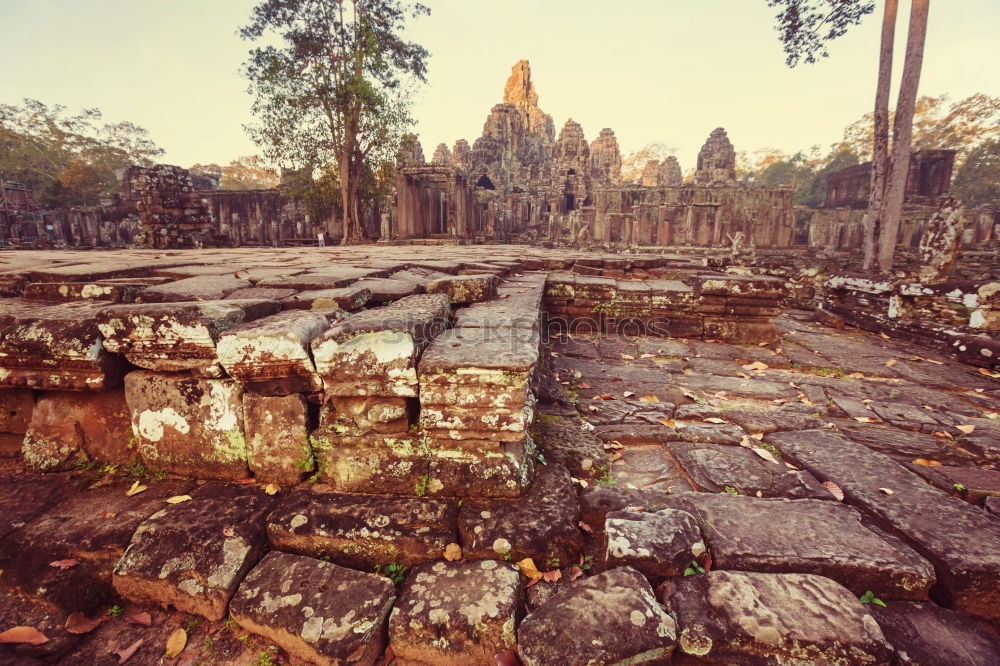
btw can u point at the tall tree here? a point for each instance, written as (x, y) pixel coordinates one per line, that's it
(805, 27)
(335, 93)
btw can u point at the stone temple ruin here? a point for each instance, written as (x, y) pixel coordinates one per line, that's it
(589, 437)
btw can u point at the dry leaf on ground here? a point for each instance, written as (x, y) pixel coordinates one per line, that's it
(143, 618)
(135, 489)
(176, 642)
(834, 490)
(528, 568)
(78, 623)
(926, 463)
(552, 576)
(177, 499)
(126, 654)
(271, 489)
(453, 552)
(64, 564)
(28, 635)
(967, 429)
(765, 454)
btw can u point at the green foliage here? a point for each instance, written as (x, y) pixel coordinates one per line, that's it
(68, 159)
(695, 568)
(977, 182)
(731, 491)
(552, 562)
(869, 598)
(265, 658)
(423, 484)
(807, 25)
(394, 572)
(606, 476)
(115, 611)
(960, 487)
(586, 562)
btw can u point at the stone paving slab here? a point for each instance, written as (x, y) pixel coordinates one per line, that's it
(319, 612)
(960, 540)
(193, 555)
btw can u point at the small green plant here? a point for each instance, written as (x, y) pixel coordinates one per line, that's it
(320, 467)
(769, 447)
(265, 658)
(695, 568)
(960, 487)
(423, 484)
(243, 637)
(731, 491)
(413, 427)
(541, 458)
(505, 555)
(320, 555)
(552, 562)
(192, 624)
(395, 572)
(115, 611)
(228, 623)
(586, 562)
(606, 476)
(893, 394)
(869, 598)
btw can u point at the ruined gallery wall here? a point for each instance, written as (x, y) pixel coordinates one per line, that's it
(842, 229)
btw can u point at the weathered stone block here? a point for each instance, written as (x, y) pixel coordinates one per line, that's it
(501, 358)
(271, 355)
(67, 427)
(187, 425)
(317, 611)
(456, 613)
(361, 531)
(354, 417)
(495, 424)
(193, 555)
(927, 635)
(740, 329)
(277, 434)
(610, 618)
(345, 298)
(176, 336)
(480, 469)
(82, 291)
(541, 525)
(55, 347)
(376, 352)
(16, 406)
(374, 464)
(199, 288)
(465, 288)
(729, 617)
(659, 545)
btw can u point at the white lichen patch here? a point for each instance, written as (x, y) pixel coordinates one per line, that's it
(151, 423)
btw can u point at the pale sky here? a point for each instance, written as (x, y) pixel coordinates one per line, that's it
(653, 70)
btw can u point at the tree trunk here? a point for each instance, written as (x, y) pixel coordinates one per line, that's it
(344, 169)
(902, 134)
(880, 146)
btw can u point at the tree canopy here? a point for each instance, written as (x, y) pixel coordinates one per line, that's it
(243, 173)
(68, 158)
(807, 25)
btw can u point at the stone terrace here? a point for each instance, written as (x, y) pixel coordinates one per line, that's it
(439, 455)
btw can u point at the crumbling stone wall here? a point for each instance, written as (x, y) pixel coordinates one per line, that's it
(173, 214)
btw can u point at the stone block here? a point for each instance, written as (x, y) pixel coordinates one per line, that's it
(345, 298)
(318, 612)
(176, 336)
(363, 531)
(927, 635)
(376, 352)
(331, 277)
(199, 288)
(740, 329)
(277, 435)
(55, 347)
(759, 618)
(542, 524)
(67, 427)
(386, 290)
(193, 555)
(481, 469)
(659, 545)
(374, 464)
(359, 416)
(456, 613)
(187, 425)
(82, 291)
(502, 358)
(499, 424)
(16, 406)
(271, 355)
(961, 541)
(610, 618)
(465, 288)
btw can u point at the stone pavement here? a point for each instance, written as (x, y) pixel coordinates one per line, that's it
(299, 461)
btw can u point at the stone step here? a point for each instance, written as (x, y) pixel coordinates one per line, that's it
(961, 540)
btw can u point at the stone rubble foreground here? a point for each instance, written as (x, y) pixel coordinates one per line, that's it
(663, 443)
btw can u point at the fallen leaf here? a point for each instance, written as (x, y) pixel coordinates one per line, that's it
(856, 375)
(176, 642)
(864, 419)
(583, 385)
(670, 423)
(64, 564)
(528, 568)
(887, 491)
(758, 436)
(707, 566)
(177, 499)
(649, 398)
(552, 576)
(142, 618)
(627, 357)
(765, 454)
(891, 362)
(714, 419)
(28, 635)
(135, 489)
(930, 360)
(108, 514)
(506, 658)
(834, 490)
(271, 489)
(743, 375)
(574, 573)
(604, 396)
(639, 509)
(967, 429)
(452, 552)
(126, 654)
(926, 463)
(228, 531)
(613, 445)
(885, 336)
(628, 394)
(805, 400)
(984, 371)
(746, 442)
(585, 527)
(942, 435)
(756, 365)
(78, 623)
